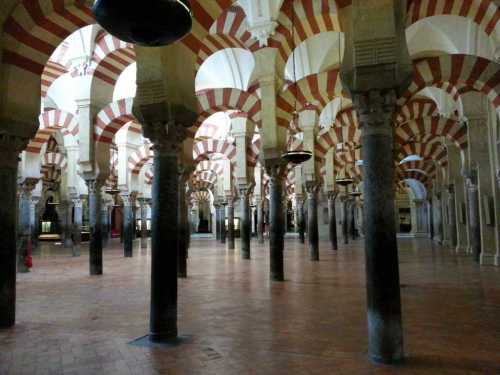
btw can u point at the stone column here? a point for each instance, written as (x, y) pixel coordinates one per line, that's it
(260, 220)
(312, 220)
(35, 216)
(144, 222)
(385, 332)
(9, 150)
(452, 217)
(164, 235)
(245, 224)
(222, 226)
(430, 214)
(106, 229)
(182, 243)
(25, 224)
(217, 221)
(276, 222)
(65, 208)
(128, 224)
(345, 218)
(437, 218)
(95, 242)
(474, 218)
(230, 222)
(332, 219)
(300, 219)
(77, 225)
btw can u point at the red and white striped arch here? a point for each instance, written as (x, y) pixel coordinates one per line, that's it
(50, 122)
(111, 57)
(433, 151)
(462, 71)
(226, 99)
(484, 13)
(230, 30)
(202, 150)
(309, 18)
(209, 165)
(148, 177)
(35, 28)
(415, 175)
(314, 91)
(200, 196)
(140, 157)
(206, 175)
(339, 134)
(433, 126)
(112, 118)
(427, 166)
(55, 159)
(415, 109)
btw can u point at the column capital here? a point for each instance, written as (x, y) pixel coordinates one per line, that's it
(27, 186)
(375, 109)
(94, 185)
(10, 148)
(332, 194)
(167, 137)
(312, 187)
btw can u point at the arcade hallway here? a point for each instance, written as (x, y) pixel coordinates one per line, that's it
(237, 322)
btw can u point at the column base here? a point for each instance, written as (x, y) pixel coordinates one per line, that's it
(460, 249)
(153, 341)
(487, 259)
(497, 260)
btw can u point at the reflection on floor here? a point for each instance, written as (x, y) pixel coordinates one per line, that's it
(240, 323)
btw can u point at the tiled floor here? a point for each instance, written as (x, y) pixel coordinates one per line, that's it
(237, 322)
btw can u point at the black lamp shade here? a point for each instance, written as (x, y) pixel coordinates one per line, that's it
(296, 157)
(147, 23)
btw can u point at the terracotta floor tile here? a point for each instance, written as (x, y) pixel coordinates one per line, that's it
(238, 322)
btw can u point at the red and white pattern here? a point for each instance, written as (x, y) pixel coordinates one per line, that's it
(483, 12)
(55, 159)
(112, 118)
(220, 100)
(434, 151)
(50, 122)
(230, 30)
(208, 165)
(111, 57)
(462, 71)
(415, 109)
(137, 160)
(415, 175)
(202, 150)
(433, 127)
(35, 28)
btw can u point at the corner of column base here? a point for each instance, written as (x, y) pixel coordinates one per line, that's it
(488, 259)
(160, 341)
(396, 360)
(278, 278)
(7, 325)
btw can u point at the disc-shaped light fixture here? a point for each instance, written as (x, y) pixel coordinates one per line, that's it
(343, 179)
(147, 23)
(296, 157)
(355, 194)
(112, 191)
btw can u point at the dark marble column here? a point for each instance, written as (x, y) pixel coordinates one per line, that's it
(430, 212)
(128, 224)
(452, 217)
(223, 230)
(260, 220)
(301, 220)
(164, 237)
(276, 222)
(217, 221)
(474, 219)
(66, 210)
(106, 226)
(183, 228)
(24, 234)
(35, 221)
(95, 242)
(144, 222)
(332, 220)
(312, 221)
(8, 229)
(352, 219)
(246, 224)
(345, 218)
(385, 332)
(230, 223)
(77, 226)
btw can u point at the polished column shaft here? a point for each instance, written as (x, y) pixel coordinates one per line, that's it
(276, 230)
(128, 225)
(183, 230)
(77, 226)
(260, 221)
(385, 332)
(8, 223)
(245, 226)
(230, 223)
(474, 220)
(301, 220)
(144, 224)
(312, 223)
(164, 235)
(95, 242)
(332, 221)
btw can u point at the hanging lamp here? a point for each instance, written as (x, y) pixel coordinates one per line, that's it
(149, 23)
(343, 180)
(298, 156)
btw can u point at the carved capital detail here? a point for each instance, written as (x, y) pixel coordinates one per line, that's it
(375, 110)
